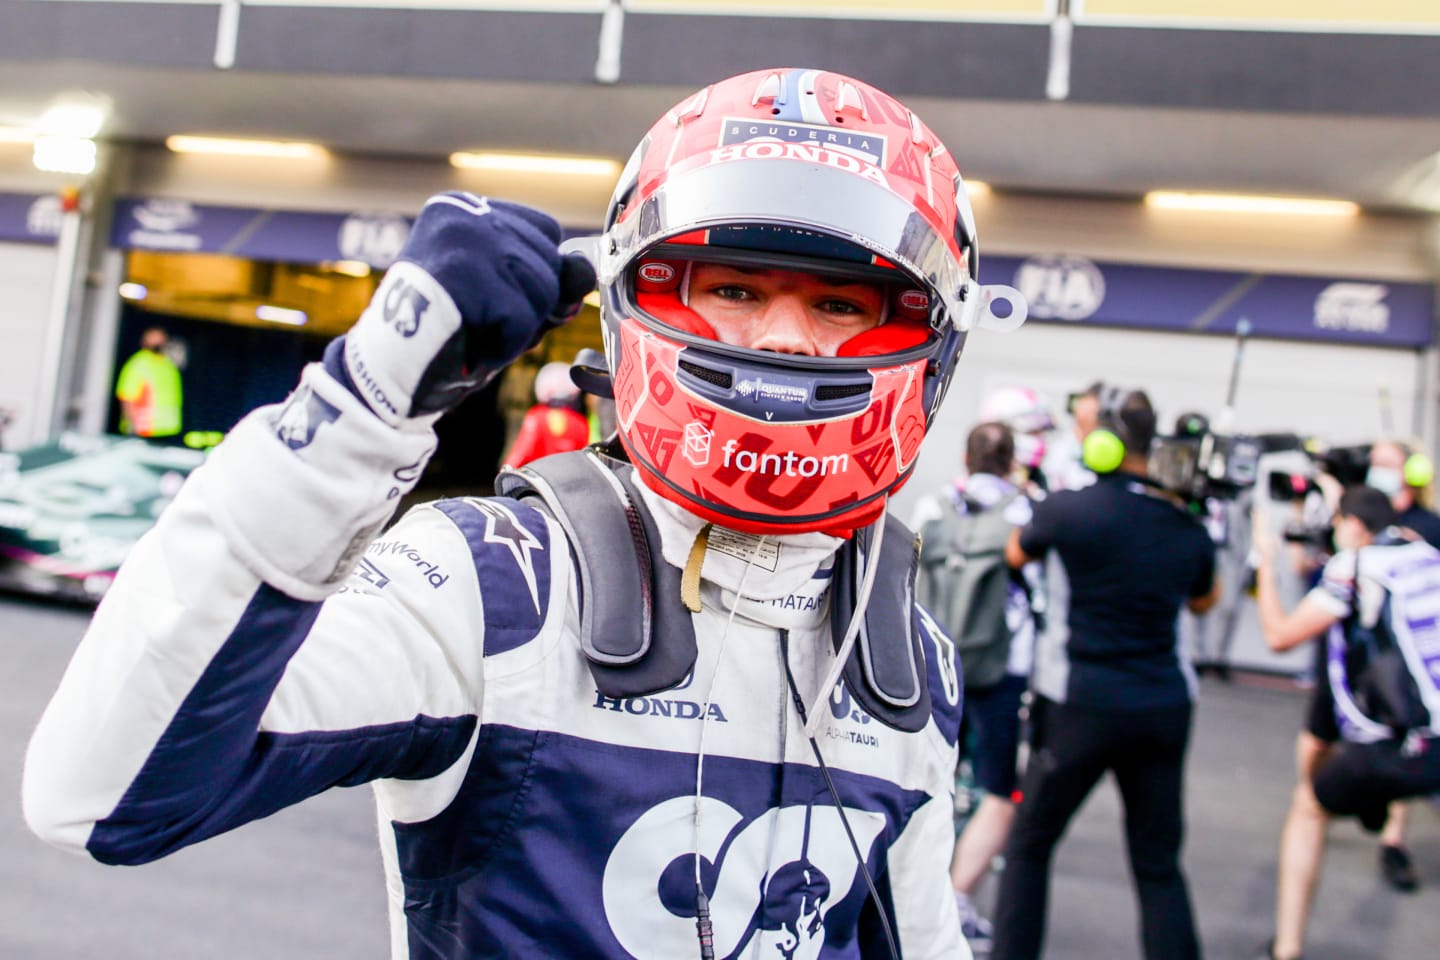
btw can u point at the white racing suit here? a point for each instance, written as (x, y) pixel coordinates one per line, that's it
(249, 656)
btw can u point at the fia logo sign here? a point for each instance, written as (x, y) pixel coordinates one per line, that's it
(1061, 288)
(404, 307)
(44, 217)
(373, 238)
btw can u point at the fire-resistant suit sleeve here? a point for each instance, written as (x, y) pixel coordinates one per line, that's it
(236, 666)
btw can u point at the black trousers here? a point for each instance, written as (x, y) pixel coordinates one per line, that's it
(1071, 751)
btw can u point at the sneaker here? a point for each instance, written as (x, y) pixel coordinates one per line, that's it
(1396, 868)
(977, 930)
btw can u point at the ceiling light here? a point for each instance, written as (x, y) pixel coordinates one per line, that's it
(133, 291)
(74, 155)
(977, 188)
(16, 135)
(1240, 203)
(536, 163)
(78, 119)
(293, 318)
(231, 147)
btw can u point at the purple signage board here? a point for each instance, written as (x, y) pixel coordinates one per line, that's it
(179, 226)
(1059, 289)
(29, 217)
(288, 236)
(1068, 289)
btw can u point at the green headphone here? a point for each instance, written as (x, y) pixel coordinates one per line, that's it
(1419, 470)
(1104, 447)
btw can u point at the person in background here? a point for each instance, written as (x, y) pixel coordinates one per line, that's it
(987, 608)
(1028, 416)
(515, 393)
(149, 390)
(553, 424)
(1112, 691)
(1406, 478)
(1367, 743)
(1064, 463)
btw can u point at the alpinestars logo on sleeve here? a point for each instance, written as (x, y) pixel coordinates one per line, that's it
(501, 527)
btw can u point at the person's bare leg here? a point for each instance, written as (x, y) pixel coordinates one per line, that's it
(1395, 824)
(1302, 851)
(981, 842)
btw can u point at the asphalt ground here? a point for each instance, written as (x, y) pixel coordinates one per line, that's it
(307, 882)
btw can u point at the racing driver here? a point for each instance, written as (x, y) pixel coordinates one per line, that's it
(666, 697)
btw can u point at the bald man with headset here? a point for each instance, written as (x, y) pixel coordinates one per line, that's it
(1113, 692)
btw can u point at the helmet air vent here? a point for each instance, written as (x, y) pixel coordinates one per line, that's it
(840, 391)
(718, 378)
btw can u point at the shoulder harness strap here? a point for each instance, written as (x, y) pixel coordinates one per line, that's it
(886, 673)
(635, 633)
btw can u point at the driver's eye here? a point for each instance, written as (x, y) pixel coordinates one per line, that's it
(731, 292)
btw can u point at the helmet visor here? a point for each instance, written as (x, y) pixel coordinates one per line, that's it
(830, 201)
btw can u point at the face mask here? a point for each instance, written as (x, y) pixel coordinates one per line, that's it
(1387, 480)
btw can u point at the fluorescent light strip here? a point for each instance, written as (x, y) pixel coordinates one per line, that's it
(1240, 203)
(271, 314)
(536, 163)
(230, 147)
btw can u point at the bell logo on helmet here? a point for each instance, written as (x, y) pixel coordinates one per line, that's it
(657, 271)
(915, 300)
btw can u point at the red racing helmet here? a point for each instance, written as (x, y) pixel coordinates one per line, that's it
(799, 170)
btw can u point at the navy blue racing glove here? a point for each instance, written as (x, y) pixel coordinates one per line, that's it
(477, 284)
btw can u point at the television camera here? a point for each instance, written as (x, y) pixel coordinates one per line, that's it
(1197, 464)
(1295, 482)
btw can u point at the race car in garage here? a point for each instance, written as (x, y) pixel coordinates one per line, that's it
(70, 510)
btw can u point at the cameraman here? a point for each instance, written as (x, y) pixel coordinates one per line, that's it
(1361, 750)
(1112, 691)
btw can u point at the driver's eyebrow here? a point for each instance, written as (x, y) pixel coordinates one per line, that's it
(830, 280)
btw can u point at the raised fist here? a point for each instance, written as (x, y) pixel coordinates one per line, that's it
(477, 283)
